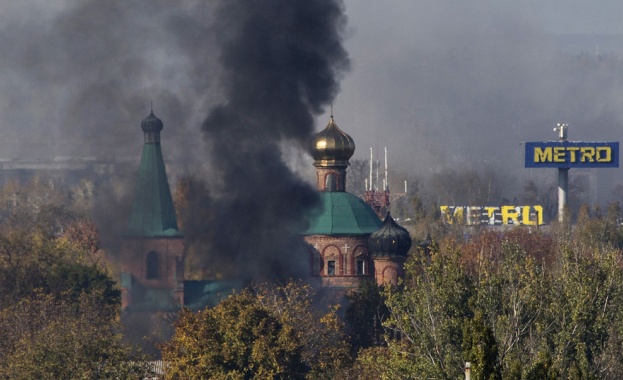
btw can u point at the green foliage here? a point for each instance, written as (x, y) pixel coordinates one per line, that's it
(365, 315)
(238, 339)
(33, 258)
(47, 337)
(480, 347)
(325, 350)
(267, 332)
(427, 314)
(58, 305)
(518, 305)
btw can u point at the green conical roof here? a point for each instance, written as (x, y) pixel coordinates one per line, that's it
(153, 214)
(343, 214)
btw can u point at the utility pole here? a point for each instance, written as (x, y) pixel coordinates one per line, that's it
(563, 175)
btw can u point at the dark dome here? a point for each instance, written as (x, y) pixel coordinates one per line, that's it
(391, 240)
(332, 147)
(151, 123)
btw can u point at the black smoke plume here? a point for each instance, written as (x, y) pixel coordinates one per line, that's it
(281, 61)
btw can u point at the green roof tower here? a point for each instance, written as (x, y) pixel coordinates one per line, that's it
(152, 253)
(153, 214)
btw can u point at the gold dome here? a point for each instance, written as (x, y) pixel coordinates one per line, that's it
(332, 147)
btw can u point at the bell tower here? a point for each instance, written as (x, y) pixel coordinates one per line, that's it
(331, 150)
(153, 247)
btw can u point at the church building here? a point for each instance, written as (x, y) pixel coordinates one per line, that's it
(349, 242)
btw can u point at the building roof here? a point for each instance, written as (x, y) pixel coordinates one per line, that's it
(343, 214)
(391, 240)
(153, 214)
(332, 146)
(151, 123)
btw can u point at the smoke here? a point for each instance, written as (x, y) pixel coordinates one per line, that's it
(281, 63)
(78, 76)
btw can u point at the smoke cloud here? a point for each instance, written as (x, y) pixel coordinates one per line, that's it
(281, 63)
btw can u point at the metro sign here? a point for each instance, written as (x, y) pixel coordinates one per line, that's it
(572, 154)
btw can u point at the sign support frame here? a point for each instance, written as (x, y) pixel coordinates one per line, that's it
(563, 176)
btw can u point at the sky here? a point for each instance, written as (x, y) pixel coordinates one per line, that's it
(441, 83)
(464, 84)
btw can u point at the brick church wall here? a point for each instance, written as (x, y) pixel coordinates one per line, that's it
(345, 252)
(166, 272)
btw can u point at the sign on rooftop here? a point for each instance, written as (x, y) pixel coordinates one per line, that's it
(572, 154)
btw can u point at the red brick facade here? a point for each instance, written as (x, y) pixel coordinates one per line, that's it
(387, 270)
(154, 271)
(340, 259)
(338, 179)
(343, 261)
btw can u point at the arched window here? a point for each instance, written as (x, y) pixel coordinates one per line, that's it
(152, 265)
(331, 268)
(361, 266)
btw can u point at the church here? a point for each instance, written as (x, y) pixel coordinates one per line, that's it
(347, 241)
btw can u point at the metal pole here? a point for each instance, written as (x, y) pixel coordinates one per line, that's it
(371, 158)
(563, 176)
(468, 374)
(386, 184)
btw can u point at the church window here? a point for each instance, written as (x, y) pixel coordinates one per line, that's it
(331, 268)
(152, 265)
(361, 267)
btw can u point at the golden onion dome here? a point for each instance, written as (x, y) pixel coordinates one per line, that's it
(332, 146)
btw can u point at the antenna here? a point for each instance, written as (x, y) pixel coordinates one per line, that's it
(151, 104)
(371, 160)
(376, 185)
(386, 182)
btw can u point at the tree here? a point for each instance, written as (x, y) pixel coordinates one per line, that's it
(266, 331)
(518, 305)
(58, 305)
(46, 337)
(195, 216)
(325, 347)
(238, 339)
(365, 316)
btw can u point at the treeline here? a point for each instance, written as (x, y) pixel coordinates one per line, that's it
(517, 305)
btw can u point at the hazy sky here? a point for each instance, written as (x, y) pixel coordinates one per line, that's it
(440, 82)
(464, 83)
